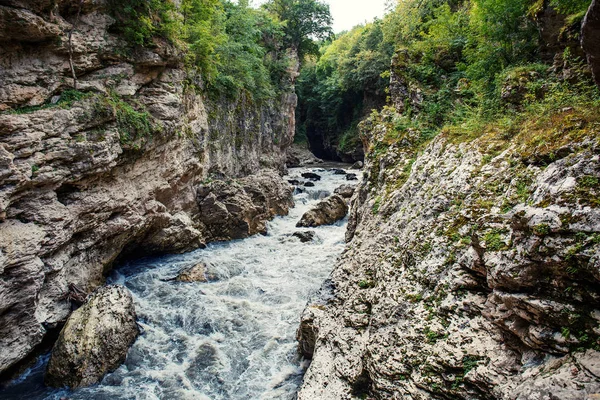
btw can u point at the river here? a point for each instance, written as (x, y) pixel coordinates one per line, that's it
(233, 338)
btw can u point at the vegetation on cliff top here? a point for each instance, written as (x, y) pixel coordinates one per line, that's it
(235, 47)
(459, 66)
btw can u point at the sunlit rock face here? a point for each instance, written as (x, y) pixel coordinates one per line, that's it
(471, 272)
(79, 187)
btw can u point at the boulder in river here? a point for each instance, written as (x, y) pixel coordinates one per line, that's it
(312, 176)
(357, 165)
(195, 273)
(351, 177)
(346, 191)
(326, 212)
(337, 171)
(306, 236)
(238, 209)
(309, 184)
(95, 339)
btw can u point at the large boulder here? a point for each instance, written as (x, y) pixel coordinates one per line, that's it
(238, 209)
(327, 212)
(346, 191)
(95, 339)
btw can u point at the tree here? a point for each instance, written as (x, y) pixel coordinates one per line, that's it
(305, 21)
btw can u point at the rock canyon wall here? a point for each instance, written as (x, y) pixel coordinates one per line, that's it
(103, 149)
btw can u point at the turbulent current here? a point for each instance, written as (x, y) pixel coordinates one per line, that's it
(229, 339)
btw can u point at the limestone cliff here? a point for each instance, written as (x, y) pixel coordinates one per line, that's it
(471, 271)
(102, 150)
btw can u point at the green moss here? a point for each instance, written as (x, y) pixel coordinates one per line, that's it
(376, 205)
(131, 123)
(66, 100)
(493, 240)
(366, 284)
(541, 229)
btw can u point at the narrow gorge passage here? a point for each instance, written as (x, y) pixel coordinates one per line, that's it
(233, 338)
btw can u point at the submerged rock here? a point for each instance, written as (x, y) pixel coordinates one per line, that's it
(309, 184)
(337, 171)
(327, 212)
(305, 237)
(312, 176)
(346, 191)
(95, 339)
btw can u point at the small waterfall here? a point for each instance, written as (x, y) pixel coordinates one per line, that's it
(231, 338)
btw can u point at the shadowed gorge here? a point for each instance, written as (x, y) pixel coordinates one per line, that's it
(219, 199)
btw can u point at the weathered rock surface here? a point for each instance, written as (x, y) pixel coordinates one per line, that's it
(78, 190)
(590, 38)
(299, 156)
(195, 273)
(326, 212)
(238, 209)
(469, 277)
(306, 236)
(346, 191)
(95, 339)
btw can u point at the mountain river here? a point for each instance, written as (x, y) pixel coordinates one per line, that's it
(229, 339)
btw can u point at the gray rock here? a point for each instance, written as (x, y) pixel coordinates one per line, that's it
(351, 177)
(95, 339)
(235, 210)
(346, 191)
(312, 176)
(306, 236)
(75, 196)
(195, 273)
(463, 279)
(326, 212)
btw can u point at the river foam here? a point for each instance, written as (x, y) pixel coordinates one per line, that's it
(233, 338)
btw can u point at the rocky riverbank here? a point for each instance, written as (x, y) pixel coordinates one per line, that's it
(467, 275)
(102, 155)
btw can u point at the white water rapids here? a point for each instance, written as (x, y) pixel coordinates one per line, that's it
(229, 339)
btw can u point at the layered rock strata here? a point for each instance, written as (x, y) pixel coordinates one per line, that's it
(112, 169)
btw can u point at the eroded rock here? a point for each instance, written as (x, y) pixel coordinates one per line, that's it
(306, 236)
(346, 191)
(95, 339)
(238, 209)
(195, 273)
(326, 212)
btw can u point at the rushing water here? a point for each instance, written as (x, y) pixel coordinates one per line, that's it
(229, 339)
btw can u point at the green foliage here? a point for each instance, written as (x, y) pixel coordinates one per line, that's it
(235, 47)
(304, 20)
(141, 20)
(131, 123)
(341, 87)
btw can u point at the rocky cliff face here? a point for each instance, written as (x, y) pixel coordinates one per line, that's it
(472, 271)
(109, 169)
(590, 38)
